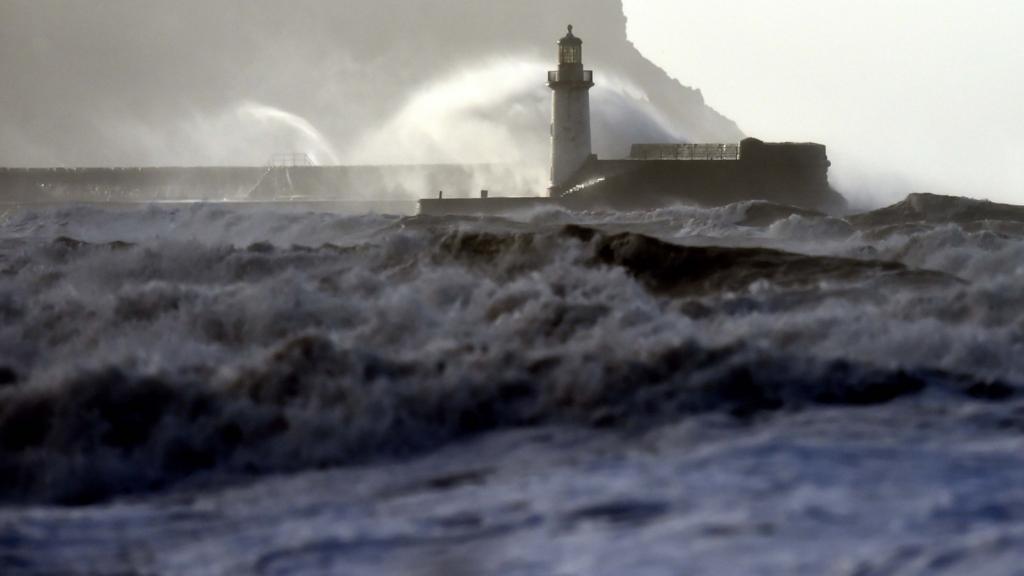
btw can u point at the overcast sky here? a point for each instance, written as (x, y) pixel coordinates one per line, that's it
(921, 94)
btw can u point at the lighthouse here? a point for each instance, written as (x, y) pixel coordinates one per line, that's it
(570, 112)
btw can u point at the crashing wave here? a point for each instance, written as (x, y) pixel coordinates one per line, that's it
(143, 347)
(310, 402)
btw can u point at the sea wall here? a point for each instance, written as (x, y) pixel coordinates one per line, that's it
(351, 183)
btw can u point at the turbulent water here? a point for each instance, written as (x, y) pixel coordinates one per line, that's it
(751, 389)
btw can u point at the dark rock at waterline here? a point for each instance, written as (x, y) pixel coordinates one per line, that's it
(673, 269)
(667, 268)
(936, 209)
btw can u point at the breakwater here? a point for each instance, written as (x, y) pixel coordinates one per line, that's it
(353, 183)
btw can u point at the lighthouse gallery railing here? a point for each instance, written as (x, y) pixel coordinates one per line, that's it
(556, 76)
(685, 152)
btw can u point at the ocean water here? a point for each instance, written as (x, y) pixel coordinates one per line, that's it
(753, 389)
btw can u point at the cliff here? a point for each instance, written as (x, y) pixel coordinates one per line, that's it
(127, 83)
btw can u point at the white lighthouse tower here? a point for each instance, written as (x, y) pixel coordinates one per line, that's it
(570, 114)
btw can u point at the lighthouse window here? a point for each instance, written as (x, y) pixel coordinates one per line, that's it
(571, 55)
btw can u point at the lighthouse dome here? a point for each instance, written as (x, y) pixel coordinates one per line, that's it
(570, 39)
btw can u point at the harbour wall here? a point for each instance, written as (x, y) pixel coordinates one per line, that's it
(248, 183)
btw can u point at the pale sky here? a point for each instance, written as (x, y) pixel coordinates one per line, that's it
(909, 95)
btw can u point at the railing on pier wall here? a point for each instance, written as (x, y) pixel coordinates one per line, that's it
(289, 160)
(685, 152)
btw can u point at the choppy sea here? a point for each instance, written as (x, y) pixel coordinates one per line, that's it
(753, 389)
